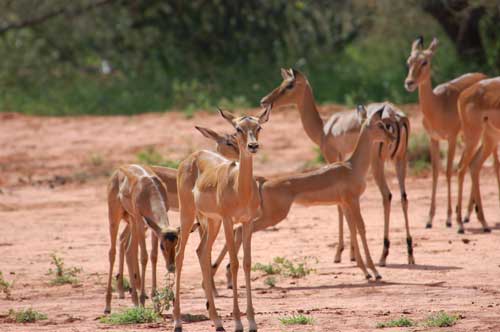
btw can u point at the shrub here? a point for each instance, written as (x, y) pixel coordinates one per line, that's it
(62, 274)
(26, 315)
(136, 315)
(400, 322)
(296, 320)
(5, 286)
(441, 319)
(150, 156)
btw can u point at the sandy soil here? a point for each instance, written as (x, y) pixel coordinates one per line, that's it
(52, 199)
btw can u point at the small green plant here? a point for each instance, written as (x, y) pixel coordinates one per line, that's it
(5, 286)
(96, 159)
(26, 315)
(150, 156)
(136, 315)
(270, 281)
(126, 285)
(317, 161)
(194, 318)
(61, 274)
(400, 322)
(285, 267)
(163, 299)
(441, 319)
(296, 320)
(419, 156)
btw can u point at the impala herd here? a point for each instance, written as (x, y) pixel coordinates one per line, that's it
(210, 189)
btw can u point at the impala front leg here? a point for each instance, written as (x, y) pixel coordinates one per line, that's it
(401, 173)
(247, 266)
(435, 160)
(154, 261)
(340, 246)
(233, 258)
(452, 143)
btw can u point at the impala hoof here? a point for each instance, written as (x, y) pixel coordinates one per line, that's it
(368, 276)
(238, 330)
(461, 231)
(378, 277)
(178, 329)
(487, 230)
(428, 225)
(466, 220)
(381, 263)
(220, 329)
(411, 261)
(353, 259)
(448, 224)
(252, 330)
(107, 311)
(229, 286)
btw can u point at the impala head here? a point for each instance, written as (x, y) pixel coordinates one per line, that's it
(225, 144)
(247, 129)
(168, 237)
(419, 63)
(379, 130)
(288, 92)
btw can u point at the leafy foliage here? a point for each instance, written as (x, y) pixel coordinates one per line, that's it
(5, 286)
(163, 299)
(285, 267)
(296, 320)
(136, 315)
(26, 315)
(400, 322)
(441, 319)
(63, 275)
(150, 156)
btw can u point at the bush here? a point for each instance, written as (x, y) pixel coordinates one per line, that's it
(150, 156)
(441, 319)
(26, 315)
(61, 274)
(400, 322)
(136, 315)
(296, 320)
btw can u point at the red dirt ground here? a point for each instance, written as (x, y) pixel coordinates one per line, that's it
(52, 199)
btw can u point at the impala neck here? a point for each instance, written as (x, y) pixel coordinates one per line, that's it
(311, 121)
(426, 98)
(360, 158)
(245, 175)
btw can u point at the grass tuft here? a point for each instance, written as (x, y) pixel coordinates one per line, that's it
(441, 319)
(296, 320)
(270, 281)
(284, 267)
(150, 156)
(26, 315)
(136, 315)
(163, 299)
(63, 275)
(400, 322)
(5, 286)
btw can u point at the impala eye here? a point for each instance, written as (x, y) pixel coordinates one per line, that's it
(239, 130)
(424, 63)
(289, 86)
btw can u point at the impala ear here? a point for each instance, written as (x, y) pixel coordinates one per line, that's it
(284, 73)
(433, 46)
(361, 110)
(264, 116)
(292, 73)
(378, 113)
(418, 44)
(227, 115)
(209, 133)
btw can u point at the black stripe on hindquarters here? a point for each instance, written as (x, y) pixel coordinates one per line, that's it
(398, 139)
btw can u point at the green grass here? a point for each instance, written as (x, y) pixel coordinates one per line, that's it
(441, 319)
(163, 299)
(296, 320)
(270, 281)
(26, 315)
(5, 286)
(284, 267)
(419, 157)
(150, 156)
(317, 161)
(400, 322)
(63, 275)
(136, 315)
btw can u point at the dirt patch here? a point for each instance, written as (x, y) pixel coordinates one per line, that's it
(53, 178)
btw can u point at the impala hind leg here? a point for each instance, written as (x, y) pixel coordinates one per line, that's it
(340, 246)
(452, 143)
(154, 260)
(435, 160)
(477, 163)
(115, 214)
(124, 238)
(496, 166)
(247, 267)
(401, 165)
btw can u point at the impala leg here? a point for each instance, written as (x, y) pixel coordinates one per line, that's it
(233, 257)
(154, 260)
(187, 220)
(360, 226)
(464, 165)
(470, 206)
(238, 232)
(144, 262)
(340, 247)
(435, 160)
(124, 238)
(477, 163)
(115, 214)
(204, 249)
(452, 143)
(379, 176)
(247, 266)
(401, 174)
(496, 166)
(352, 229)
(131, 256)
